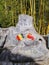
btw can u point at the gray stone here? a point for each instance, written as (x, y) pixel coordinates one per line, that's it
(31, 48)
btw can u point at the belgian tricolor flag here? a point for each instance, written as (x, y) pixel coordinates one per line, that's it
(19, 37)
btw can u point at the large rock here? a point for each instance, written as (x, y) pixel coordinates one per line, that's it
(31, 48)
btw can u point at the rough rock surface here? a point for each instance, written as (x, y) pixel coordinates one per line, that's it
(35, 49)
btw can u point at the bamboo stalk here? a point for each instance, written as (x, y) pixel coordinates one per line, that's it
(43, 16)
(21, 6)
(12, 12)
(31, 6)
(34, 15)
(26, 6)
(47, 26)
(40, 21)
(48, 29)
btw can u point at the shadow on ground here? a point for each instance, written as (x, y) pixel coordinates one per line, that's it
(7, 58)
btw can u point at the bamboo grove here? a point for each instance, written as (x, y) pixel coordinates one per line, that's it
(38, 9)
